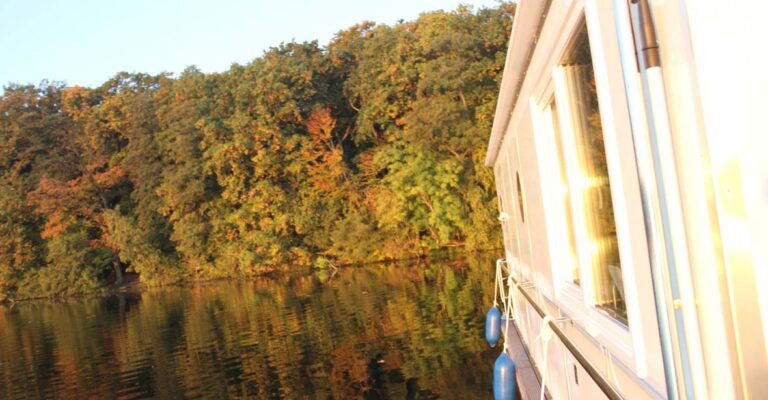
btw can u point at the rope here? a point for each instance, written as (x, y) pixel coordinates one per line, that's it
(496, 284)
(498, 289)
(545, 335)
(507, 309)
(511, 283)
(502, 292)
(506, 298)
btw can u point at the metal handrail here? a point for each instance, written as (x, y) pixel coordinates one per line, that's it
(608, 389)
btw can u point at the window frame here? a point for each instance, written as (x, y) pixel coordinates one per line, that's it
(629, 343)
(567, 294)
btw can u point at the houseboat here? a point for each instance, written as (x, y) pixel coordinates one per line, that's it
(631, 162)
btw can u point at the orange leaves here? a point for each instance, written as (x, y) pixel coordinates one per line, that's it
(324, 174)
(270, 162)
(392, 71)
(320, 125)
(75, 101)
(109, 177)
(324, 158)
(63, 202)
(266, 223)
(231, 233)
(53, 199)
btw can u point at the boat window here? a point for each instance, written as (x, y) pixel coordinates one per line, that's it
(571, 267)
(588, 177)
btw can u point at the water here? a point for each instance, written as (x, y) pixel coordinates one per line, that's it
(405, 331)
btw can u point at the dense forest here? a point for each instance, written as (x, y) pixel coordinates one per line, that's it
(367, 149)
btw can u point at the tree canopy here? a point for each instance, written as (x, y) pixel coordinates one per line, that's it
(369, 148)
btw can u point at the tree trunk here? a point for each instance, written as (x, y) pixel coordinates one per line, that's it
(118, 266)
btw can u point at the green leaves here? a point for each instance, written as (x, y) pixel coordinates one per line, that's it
(364, 150)
(135, 247)
(72, 266)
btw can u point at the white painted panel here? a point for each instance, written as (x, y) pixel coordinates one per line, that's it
(524, 245)
(582, 386)
(508, 230)
(696, 190)
(731, 68)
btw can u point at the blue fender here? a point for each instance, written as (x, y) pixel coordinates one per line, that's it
(493, 326)
(504, 383)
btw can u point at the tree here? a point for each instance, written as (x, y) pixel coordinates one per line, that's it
(185, 109)
(367, 149)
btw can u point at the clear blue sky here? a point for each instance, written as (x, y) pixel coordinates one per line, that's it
(84, 42)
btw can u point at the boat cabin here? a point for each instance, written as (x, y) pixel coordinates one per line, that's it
(629, 152)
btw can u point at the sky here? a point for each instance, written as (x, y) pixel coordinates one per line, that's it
(85, 42)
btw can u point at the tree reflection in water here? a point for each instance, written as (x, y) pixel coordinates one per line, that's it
(409, 330)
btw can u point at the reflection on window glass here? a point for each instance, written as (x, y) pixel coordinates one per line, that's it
(572, 262)
(590, 186)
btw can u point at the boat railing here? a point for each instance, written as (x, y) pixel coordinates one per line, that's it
(602, 382)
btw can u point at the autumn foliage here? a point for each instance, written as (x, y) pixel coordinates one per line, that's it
(369, 148)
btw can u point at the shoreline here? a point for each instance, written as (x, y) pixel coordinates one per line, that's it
(132, 281)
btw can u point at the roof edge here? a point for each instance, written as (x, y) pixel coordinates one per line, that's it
(529, 17)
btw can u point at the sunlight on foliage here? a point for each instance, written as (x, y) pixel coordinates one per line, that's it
(367, 149)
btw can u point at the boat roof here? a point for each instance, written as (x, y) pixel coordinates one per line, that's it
(528, 20)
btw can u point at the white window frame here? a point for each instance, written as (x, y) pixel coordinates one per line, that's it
(634, 345)
(567, 294)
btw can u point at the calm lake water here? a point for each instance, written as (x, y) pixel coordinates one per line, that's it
(404, 331)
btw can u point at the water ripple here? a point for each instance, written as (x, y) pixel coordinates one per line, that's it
(388, 331)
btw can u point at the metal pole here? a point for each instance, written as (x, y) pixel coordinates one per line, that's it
(596, 376)
(671, 327)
